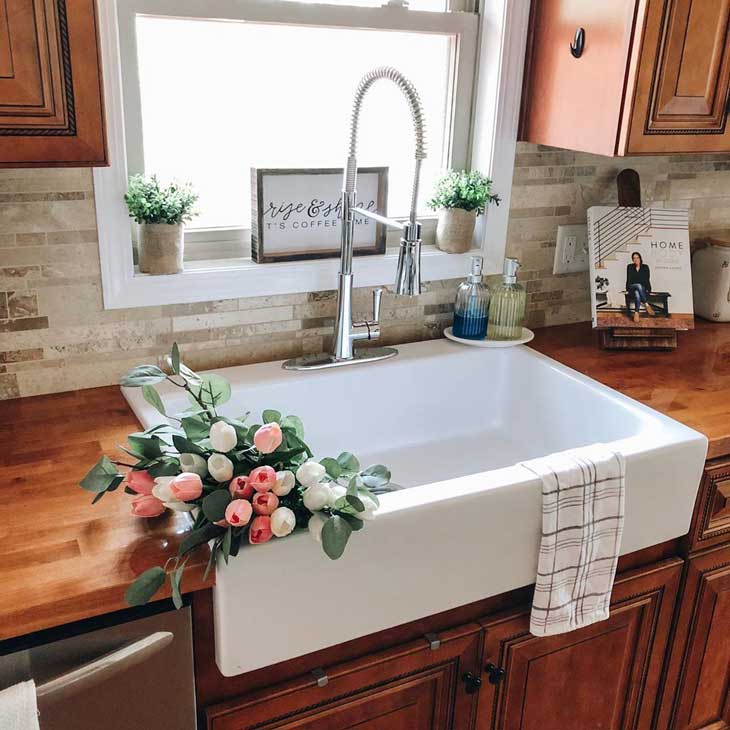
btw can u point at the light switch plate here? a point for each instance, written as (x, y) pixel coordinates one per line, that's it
(571, 251)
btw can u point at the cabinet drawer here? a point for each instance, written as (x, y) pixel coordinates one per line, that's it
(410, 687)
(711, 520)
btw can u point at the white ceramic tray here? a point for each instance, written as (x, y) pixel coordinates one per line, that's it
(527, 335)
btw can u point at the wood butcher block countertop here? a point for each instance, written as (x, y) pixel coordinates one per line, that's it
(690, 384)
(62, 559)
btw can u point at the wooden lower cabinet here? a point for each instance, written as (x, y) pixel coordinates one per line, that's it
(411, 687)
(603, 677)
(697, 691)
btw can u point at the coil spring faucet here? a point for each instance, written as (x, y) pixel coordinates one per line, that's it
(408, 274)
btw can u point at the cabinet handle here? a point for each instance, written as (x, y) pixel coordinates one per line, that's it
(579, 42)
(495, 674)
(471, 683)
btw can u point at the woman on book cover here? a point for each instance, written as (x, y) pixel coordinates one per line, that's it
(638, 285)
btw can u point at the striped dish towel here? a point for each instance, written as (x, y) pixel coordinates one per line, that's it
(582, 523)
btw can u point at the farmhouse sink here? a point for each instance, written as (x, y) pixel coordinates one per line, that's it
(453, 424)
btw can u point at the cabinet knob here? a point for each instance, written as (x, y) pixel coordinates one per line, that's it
(578, 44)
(471, 683)
(495, 674)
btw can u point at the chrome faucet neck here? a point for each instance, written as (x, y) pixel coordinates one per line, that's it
(408, 274)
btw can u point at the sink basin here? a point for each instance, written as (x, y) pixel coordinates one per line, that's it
(453, 424)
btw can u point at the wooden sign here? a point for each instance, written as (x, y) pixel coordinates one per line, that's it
(296, 213)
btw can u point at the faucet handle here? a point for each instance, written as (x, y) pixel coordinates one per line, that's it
(377, 298)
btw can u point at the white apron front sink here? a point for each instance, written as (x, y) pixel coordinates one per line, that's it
(452, 423)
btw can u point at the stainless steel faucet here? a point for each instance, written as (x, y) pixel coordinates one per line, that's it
(408, 274)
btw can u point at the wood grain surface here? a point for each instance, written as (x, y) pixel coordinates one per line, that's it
(62, 559)
(690, 384)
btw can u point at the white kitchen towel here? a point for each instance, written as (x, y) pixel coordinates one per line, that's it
(18, 707)
(583, 492)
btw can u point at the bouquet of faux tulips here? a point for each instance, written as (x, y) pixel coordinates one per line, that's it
(243, 483)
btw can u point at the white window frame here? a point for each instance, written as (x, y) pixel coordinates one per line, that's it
(496, 37)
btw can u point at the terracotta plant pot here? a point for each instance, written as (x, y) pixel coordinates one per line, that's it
(455, 230)
(161, 248)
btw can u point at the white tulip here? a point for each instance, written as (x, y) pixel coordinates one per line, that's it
(315, 525)
(194, 463)
(317, 497)
(337, 491)
(310, 473)
(370, 508)
(161, 490)
(284, 483)
(220, 467)
(223, 436)
(283, 521)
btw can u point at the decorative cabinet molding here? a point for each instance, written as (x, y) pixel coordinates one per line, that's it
(411, 687)
(654, 76)
(711, 520)
(603, 676)
(697, 688)
(51, 108)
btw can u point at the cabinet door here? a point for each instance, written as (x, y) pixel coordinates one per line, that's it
(697, 691)
(576, 103)
(51, 110)
(412, 687)
(711, 520)
(681, 96)
(604, 676)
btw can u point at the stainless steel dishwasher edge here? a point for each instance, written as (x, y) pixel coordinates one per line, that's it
(135, 674)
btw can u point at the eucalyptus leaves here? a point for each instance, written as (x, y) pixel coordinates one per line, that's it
(243, 483)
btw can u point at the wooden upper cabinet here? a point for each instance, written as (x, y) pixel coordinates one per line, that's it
(411, 687)
(51, 92)
(653, 77)
(697, 691)
(602, 676)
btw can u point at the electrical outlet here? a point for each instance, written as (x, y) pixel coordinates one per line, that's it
(571, 250)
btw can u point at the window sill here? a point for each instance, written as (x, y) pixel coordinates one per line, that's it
(233, 278)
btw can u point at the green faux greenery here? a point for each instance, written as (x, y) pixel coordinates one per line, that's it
(157, 453)
(468, 190)
(149, 202)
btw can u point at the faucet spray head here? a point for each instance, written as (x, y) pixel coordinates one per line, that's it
(408, 274)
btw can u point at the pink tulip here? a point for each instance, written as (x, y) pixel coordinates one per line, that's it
(268, 438)
(260, 530)
(238, 512)
(140, 481)
(186, 486)
(264, 503)
(147, 506)
(240, 488)
(262, 478)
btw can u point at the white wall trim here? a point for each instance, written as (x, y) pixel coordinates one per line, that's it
(503, 39)
(496, 112)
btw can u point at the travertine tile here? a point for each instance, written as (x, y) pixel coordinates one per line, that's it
(49, 266)
(22, 304)
(9, 387)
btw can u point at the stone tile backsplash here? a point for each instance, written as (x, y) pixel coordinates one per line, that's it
(55, 334)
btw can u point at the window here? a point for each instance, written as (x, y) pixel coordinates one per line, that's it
(271, 85)
(207, 90)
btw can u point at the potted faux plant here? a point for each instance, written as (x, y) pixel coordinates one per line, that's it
(459, 198)
(161, 213)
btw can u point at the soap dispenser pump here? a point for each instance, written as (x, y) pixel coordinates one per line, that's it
(507, 306)
(471, 308)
